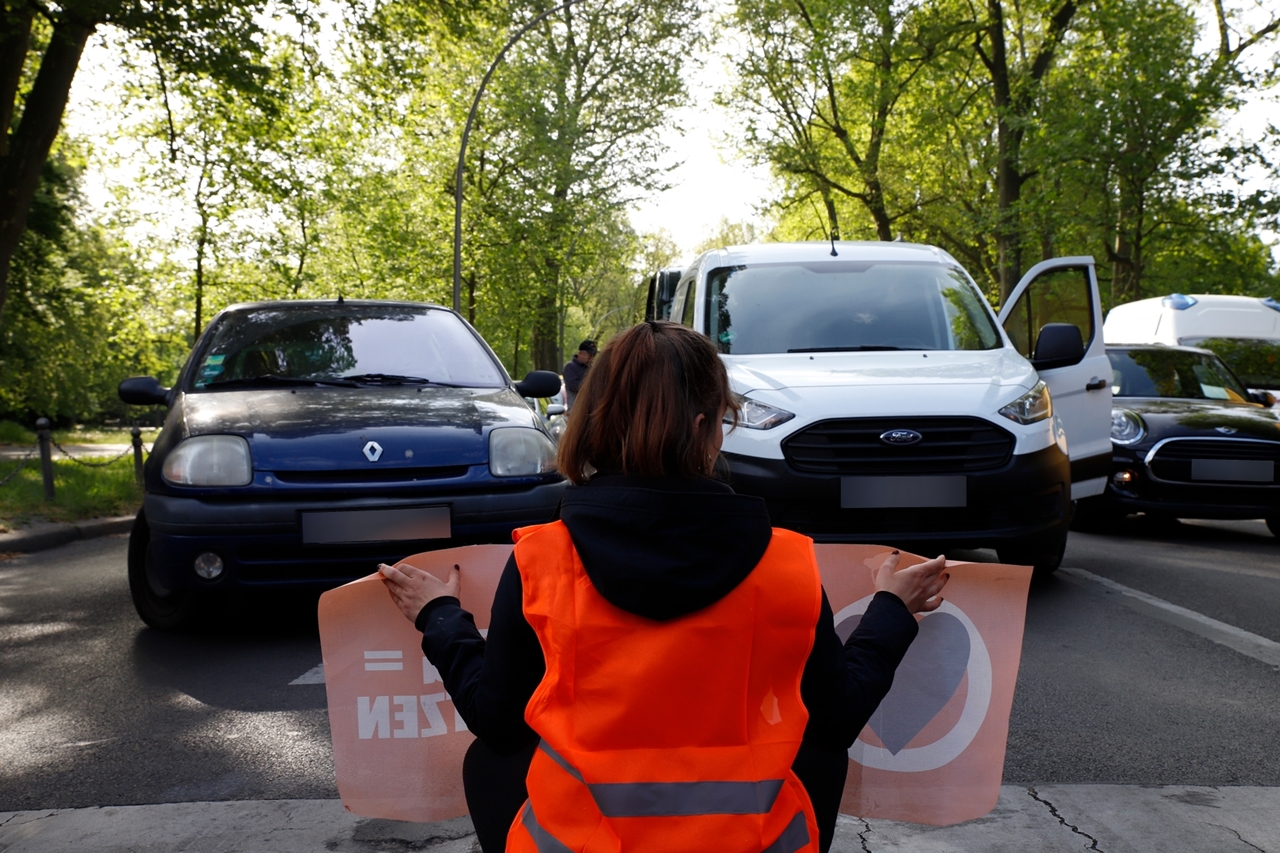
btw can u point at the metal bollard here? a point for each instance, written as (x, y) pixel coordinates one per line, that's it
(137, 454)
(46, 458)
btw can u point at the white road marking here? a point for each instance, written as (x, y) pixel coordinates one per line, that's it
(315, 675)
(1238, 639)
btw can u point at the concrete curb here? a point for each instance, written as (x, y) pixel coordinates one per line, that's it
(42, 535)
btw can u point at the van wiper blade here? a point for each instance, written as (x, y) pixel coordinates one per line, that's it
(389, 379)
(856, 349)
(273, 379)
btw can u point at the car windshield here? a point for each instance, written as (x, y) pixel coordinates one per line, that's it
(1255, 360)
(1172, 373)
(349, 345)
(842, 306)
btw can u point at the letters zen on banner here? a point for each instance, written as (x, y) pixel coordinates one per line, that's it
(933, 753)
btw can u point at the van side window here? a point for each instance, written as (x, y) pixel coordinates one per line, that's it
(690, 301)
(1057, 296)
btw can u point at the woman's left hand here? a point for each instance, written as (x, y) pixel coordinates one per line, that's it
(412, 588)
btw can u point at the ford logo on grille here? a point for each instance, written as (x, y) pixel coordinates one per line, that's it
(900, 437)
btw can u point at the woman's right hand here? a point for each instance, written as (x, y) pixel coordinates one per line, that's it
(918, 586)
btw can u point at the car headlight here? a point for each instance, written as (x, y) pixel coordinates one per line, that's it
(1126, 427)
(757, 415)
(209, 460)
(1031, 407)
(520, 452)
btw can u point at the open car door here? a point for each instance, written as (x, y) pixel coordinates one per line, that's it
(1065, 290)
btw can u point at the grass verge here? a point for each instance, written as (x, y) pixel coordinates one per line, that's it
(79, 492)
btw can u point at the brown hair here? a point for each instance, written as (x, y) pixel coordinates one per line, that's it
(635, 411)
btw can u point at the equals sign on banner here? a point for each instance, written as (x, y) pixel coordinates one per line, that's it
(376, 661)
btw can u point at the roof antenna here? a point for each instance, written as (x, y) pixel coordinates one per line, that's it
(339, 298)
(832, 235)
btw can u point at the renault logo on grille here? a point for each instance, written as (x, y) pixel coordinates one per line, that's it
(900, 437)
(373, 451)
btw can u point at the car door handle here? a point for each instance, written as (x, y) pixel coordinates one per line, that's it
(1096, 384)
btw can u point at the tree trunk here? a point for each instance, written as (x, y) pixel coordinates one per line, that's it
(15, 40)
(29, 148)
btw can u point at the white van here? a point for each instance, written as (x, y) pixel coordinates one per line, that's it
(884, 401)
(1244, 331)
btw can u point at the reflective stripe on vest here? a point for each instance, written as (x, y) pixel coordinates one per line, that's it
(676, 799)
(545, 841)
(793, 838)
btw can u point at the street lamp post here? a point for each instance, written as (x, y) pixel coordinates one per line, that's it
(462, 149)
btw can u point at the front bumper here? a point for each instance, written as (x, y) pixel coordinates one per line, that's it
(1147, 494)
(1026, 497)
(261, 543)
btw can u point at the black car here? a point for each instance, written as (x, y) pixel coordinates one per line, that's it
(307, 441)
(1188, 441)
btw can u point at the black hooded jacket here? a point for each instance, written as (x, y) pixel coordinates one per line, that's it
(662, 548)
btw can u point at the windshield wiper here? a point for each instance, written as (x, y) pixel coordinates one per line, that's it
(388, 379)
(855, 349)
(273, 379)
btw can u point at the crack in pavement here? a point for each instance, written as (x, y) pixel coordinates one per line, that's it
(1053, 810)
(1239, 836)
(863, 833)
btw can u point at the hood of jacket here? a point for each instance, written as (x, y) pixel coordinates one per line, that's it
(663, 547)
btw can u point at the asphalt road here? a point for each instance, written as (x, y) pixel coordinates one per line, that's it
(96, 709)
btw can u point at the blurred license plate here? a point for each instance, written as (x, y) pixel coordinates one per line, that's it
(891, 492)
(1238, 470)
(376, 525)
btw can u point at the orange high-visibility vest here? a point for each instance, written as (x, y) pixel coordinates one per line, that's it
(670, 736)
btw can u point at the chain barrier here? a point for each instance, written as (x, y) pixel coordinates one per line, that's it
(102, 464)
(21, 463)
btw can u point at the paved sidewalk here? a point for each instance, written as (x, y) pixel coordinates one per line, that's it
(41, 535)
(1045, 819)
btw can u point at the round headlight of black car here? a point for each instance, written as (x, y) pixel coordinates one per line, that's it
(1126, 427)
(209, 460)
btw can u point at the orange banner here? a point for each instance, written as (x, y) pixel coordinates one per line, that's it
(934, 750)
(933, 753)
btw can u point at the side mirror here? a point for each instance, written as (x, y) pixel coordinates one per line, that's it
(1058, 345)
(1266, 398)
(539, 383)
(143, 391)
(555, 409)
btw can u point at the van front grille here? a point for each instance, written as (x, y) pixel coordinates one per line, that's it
(854, 446)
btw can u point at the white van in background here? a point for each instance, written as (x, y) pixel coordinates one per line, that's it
(1244, 331)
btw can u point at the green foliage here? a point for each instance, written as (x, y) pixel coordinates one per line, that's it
(79, 492)
(82, 316)
(12, 433)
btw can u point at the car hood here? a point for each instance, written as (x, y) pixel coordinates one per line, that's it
(1166, 418)
(320, 429)
(962, 379)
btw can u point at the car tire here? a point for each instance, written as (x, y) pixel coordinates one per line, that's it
(1273, 524)
(1042, 553)
(1092, 515)
(161, 608)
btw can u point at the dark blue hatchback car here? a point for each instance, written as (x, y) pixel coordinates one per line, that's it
(307, 441)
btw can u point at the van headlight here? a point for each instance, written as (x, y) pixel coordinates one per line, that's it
(209, 460)
(1031, 407)
(757, 415)
(520, 452)
(1126, 427)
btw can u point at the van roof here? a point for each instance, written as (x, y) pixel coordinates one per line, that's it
(820, 250)
(1172, 320)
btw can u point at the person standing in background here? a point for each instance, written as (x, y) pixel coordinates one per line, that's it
(576, 371)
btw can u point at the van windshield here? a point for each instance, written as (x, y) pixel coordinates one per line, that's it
(1255, 360)
(846, 306)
